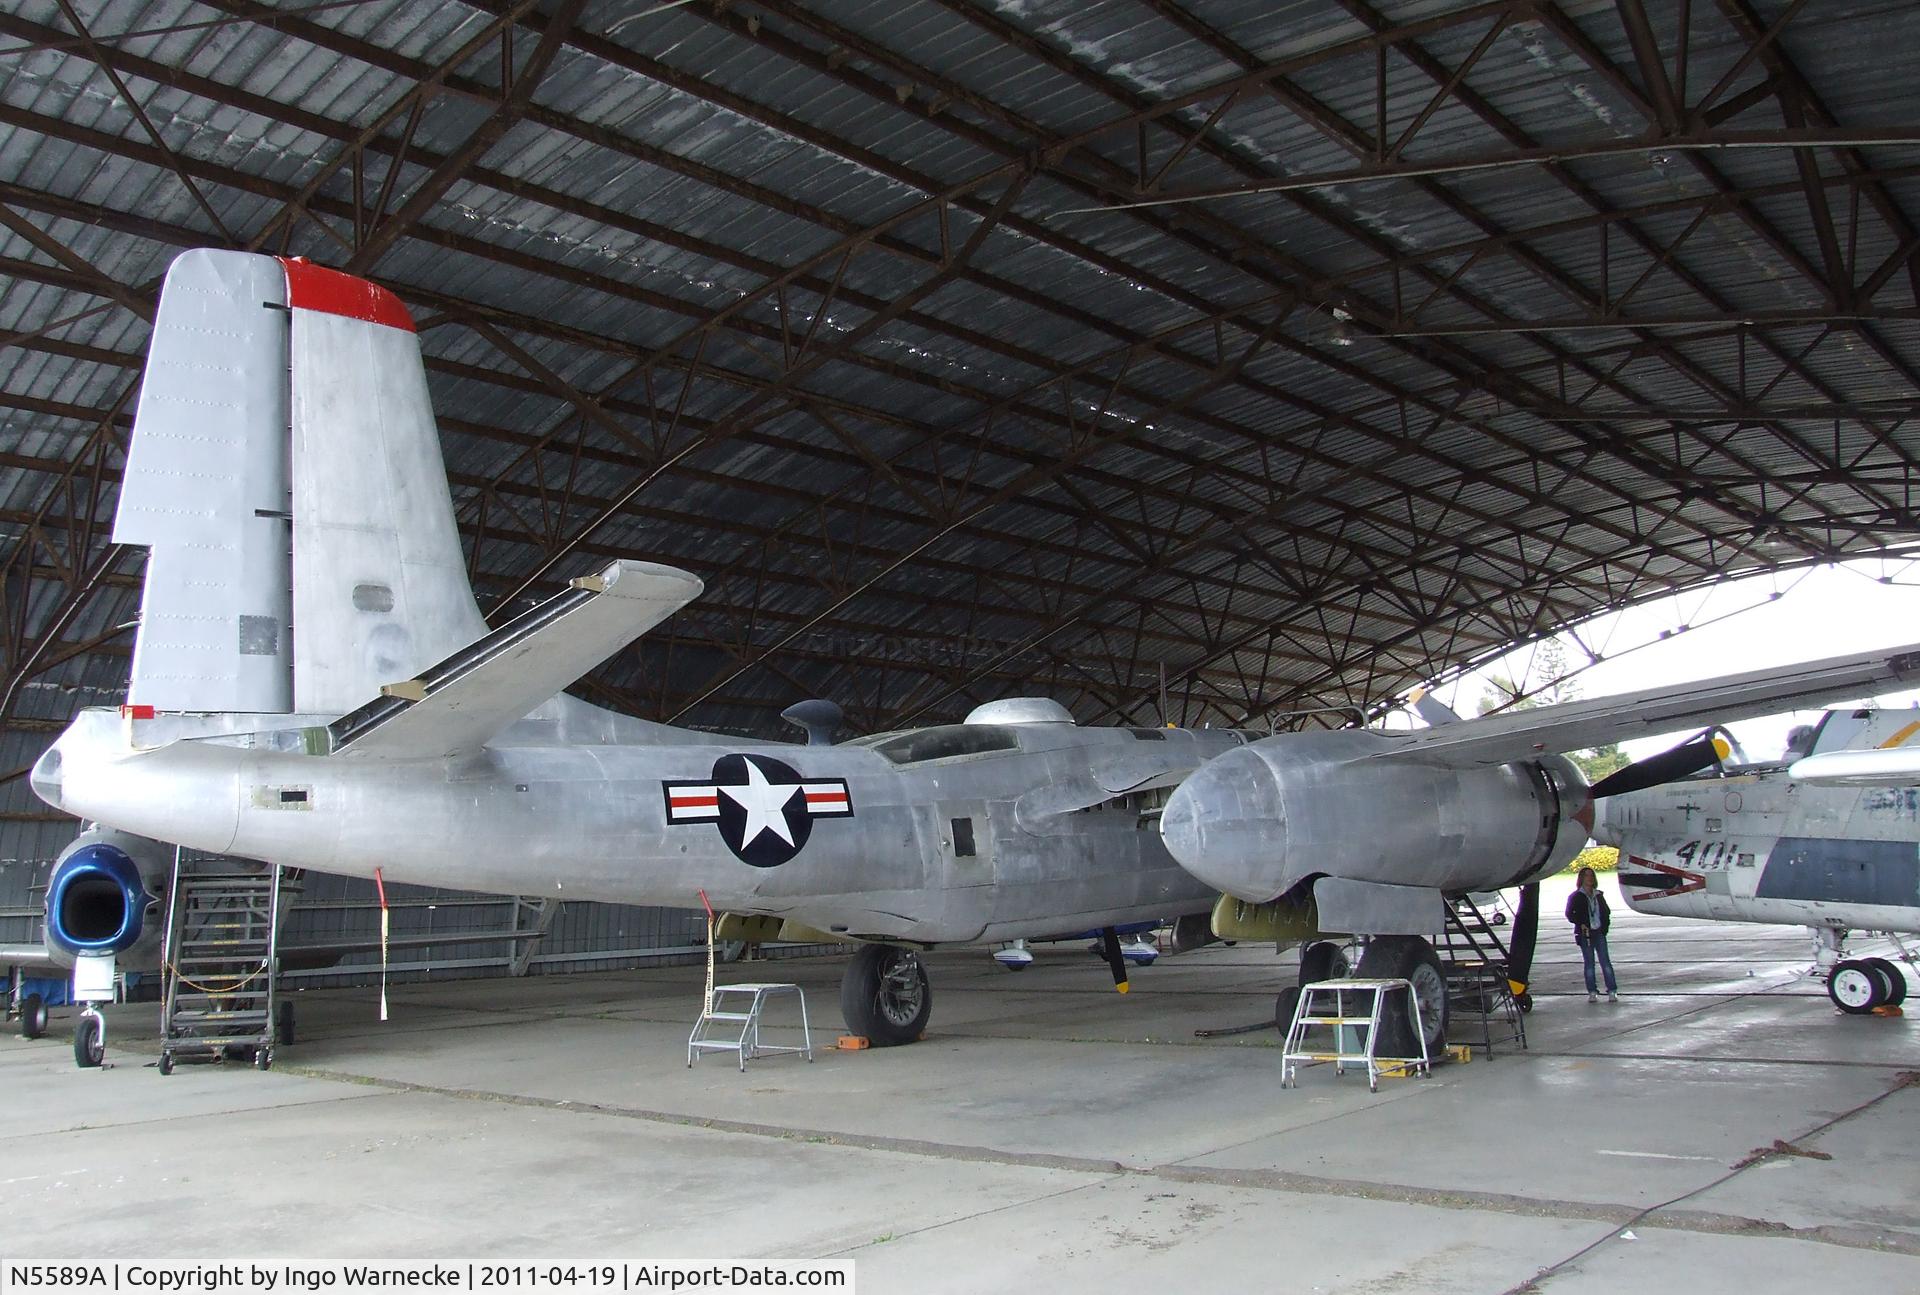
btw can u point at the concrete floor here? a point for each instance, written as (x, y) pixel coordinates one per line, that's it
(1046, 1128)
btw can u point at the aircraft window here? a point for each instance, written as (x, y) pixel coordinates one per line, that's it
(872, 739)
(1150, 734)
(946, 743)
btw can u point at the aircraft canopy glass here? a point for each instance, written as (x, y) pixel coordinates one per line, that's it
(946, 742)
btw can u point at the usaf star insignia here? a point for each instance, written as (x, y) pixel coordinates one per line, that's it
(764, 809)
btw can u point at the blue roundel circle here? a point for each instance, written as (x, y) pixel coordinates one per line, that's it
(96, 901)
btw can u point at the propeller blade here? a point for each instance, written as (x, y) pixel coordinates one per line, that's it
(1522, 937)
(1431, 709)
(1110, 945)
(1688, 757)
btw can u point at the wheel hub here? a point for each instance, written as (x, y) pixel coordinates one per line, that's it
(1853, 987)
(1430, 991)
(901, 990)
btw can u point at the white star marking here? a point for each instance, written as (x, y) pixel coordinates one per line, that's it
(764, 804)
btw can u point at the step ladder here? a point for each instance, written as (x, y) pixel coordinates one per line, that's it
(1351, 1008)
(1479, 992)
(725, 1015)
(220, 965)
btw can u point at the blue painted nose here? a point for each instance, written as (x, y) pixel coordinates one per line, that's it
(95, 902)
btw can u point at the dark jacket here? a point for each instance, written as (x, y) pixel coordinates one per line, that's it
(1578, 915)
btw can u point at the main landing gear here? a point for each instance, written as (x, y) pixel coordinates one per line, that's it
(1412, 959)
(33, 1016)
(1858, 985)
(1322, 960)
(885, 995)
(1386, 957)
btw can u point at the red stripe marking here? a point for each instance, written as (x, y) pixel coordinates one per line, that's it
(315, 287)
(816, 797)
(693, 802)
(137, 712)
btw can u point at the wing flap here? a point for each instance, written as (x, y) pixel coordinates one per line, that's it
(456, 706)
(1574, 726)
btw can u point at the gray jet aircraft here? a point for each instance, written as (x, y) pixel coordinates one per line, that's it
(313, 685)
(1827, 837)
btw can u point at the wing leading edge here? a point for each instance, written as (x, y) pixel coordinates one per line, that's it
(1521, 735)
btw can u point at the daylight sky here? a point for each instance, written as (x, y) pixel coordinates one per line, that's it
(1820, 612)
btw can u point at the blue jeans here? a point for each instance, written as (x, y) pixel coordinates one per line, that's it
(1596, 943)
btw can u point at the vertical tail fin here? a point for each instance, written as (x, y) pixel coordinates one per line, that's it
(379, 588)
(206, 489)
(279, 390)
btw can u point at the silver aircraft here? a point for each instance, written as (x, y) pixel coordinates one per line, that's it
(1826, 837)
(313, 685)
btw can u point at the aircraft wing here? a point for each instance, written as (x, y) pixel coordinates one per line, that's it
(1107, 778)
(453, 708)
(1886, 767)
(1574, 726)
(25, 955)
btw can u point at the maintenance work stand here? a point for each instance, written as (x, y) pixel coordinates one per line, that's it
(736, 1029)
(1351, 1009)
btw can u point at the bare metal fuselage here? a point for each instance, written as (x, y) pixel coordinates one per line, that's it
(573, 803)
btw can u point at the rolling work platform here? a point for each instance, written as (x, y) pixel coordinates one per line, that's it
(220, 968)
(715, 1023)
(1351, 1009)
(1480, 998)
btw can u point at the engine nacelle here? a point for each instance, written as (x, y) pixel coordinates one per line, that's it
(1259, 820)
(105, 897)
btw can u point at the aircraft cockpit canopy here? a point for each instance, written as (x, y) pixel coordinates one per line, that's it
(1799, 742)
(943, 743)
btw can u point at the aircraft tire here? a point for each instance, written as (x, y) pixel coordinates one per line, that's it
(1854, 988)
(1322, 960)
(88, 1050)
(1895, 978)
(885, 995)
(283, 1022)
(1410, 958)
(33, 1016)
(1283, 1009)
(165, 1064)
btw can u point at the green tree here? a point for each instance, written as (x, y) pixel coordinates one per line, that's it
(1601, 761)
(1550, 664)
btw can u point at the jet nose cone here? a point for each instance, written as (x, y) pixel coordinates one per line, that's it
(1227, 826)
(46, 777)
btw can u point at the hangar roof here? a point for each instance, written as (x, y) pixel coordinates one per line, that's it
(1292, 352)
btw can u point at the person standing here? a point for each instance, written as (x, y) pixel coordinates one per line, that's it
(1587, 910)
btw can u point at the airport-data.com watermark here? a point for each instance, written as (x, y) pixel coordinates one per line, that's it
(294, 1277)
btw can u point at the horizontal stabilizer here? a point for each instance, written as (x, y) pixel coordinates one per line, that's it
(1574, 726)
(456, 706)
(1891, 767)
